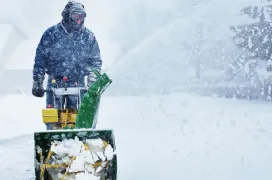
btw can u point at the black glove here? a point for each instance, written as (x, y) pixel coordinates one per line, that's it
(37, 89)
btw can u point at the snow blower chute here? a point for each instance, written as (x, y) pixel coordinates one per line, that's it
(74, 149)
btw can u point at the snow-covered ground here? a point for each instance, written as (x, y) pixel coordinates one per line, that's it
(179, 136)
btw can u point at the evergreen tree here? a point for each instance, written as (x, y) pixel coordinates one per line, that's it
(255, 37)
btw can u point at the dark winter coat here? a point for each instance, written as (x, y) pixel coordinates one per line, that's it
(62, 54)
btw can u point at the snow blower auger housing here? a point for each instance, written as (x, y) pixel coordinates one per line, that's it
(73, 149)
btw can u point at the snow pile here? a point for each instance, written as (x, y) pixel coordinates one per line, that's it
(87, 159)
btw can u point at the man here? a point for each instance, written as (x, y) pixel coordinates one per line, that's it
(66, 50)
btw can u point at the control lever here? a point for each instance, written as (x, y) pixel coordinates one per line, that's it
(65, 82)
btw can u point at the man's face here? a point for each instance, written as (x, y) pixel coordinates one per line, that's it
(78, 17)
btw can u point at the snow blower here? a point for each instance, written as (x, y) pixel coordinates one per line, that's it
(73, 149)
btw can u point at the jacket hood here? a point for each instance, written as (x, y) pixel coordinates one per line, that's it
(71, 8)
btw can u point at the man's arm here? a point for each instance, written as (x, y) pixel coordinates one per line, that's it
(40, 57)
(94, 61)
(39, 66)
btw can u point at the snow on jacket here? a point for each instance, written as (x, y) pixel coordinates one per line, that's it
(62, 54)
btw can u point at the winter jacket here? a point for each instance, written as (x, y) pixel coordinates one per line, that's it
(62, 54)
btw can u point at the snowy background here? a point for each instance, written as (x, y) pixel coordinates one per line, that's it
(186, 102)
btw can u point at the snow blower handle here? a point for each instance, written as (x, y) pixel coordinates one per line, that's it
(97, 73)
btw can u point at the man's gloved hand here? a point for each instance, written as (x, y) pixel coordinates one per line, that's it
(91, 79)
(37, 89)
